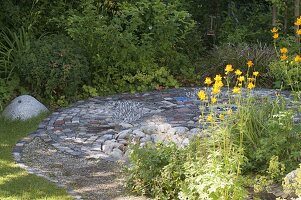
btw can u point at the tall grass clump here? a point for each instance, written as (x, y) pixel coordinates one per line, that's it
(12, 45)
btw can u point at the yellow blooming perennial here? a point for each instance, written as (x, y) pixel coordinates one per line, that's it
(202, 95)
(241, 78)
(218, 78)
(283, 57)
(274, 30)
(213, 100)
(255, 73)
(236, 90)
(208, 81)
(209, 118)
(221, 116)
(298, 21)
(238, 72)
(276, 35)
(215, 90)
(229, 68)
(250, 63)
(283, 50)
(251, 86)
(297, 58)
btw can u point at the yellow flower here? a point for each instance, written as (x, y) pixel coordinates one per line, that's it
(208, 81)
(238, 72)
(283, 57)
(274, 30)
(297, 58)
(283, 50)
(240, 84)
(229, 68)
(218, 78)
(298, 32)
(202, 95)
(236, 90)
(251, 86)
(215, 90)
(298, 21)
(255, 73)
(250, 63)
(230, 111)
(209, 118)
(221, 116)
(213, 100)
(276, 35)
(251, 79)
(218, 84)
(241, 78)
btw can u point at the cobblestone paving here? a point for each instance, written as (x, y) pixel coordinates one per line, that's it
(103, 127)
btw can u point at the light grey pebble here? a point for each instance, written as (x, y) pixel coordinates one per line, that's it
(150, 129)
(126, 125)
(162, 128)
(181, 130)
(125, 134)
(117, 154)
(138, 133)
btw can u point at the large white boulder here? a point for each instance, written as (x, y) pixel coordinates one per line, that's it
(23, 107)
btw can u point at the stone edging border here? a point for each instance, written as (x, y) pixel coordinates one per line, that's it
(17, 151)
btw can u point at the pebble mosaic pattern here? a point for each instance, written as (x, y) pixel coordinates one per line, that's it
(103, 127)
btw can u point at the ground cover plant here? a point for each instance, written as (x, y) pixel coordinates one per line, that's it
(16, 183)
(247, 150)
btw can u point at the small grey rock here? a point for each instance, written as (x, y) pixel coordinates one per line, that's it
(163, 128)
(138, 133)
(106, 137)
(124, 134)
(117, 154)
(126, 125)
(171, 131)
(150, 129)
(181, 130)
(147, 138)
(185, 142)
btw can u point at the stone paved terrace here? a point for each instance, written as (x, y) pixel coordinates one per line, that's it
(103, 127)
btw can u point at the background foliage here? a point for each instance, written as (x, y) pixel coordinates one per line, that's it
(140, 45)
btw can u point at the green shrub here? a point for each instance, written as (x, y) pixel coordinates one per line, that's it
(132, 46)
(53, 69)
(194, 172)
(287, 74)
(146, 168)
